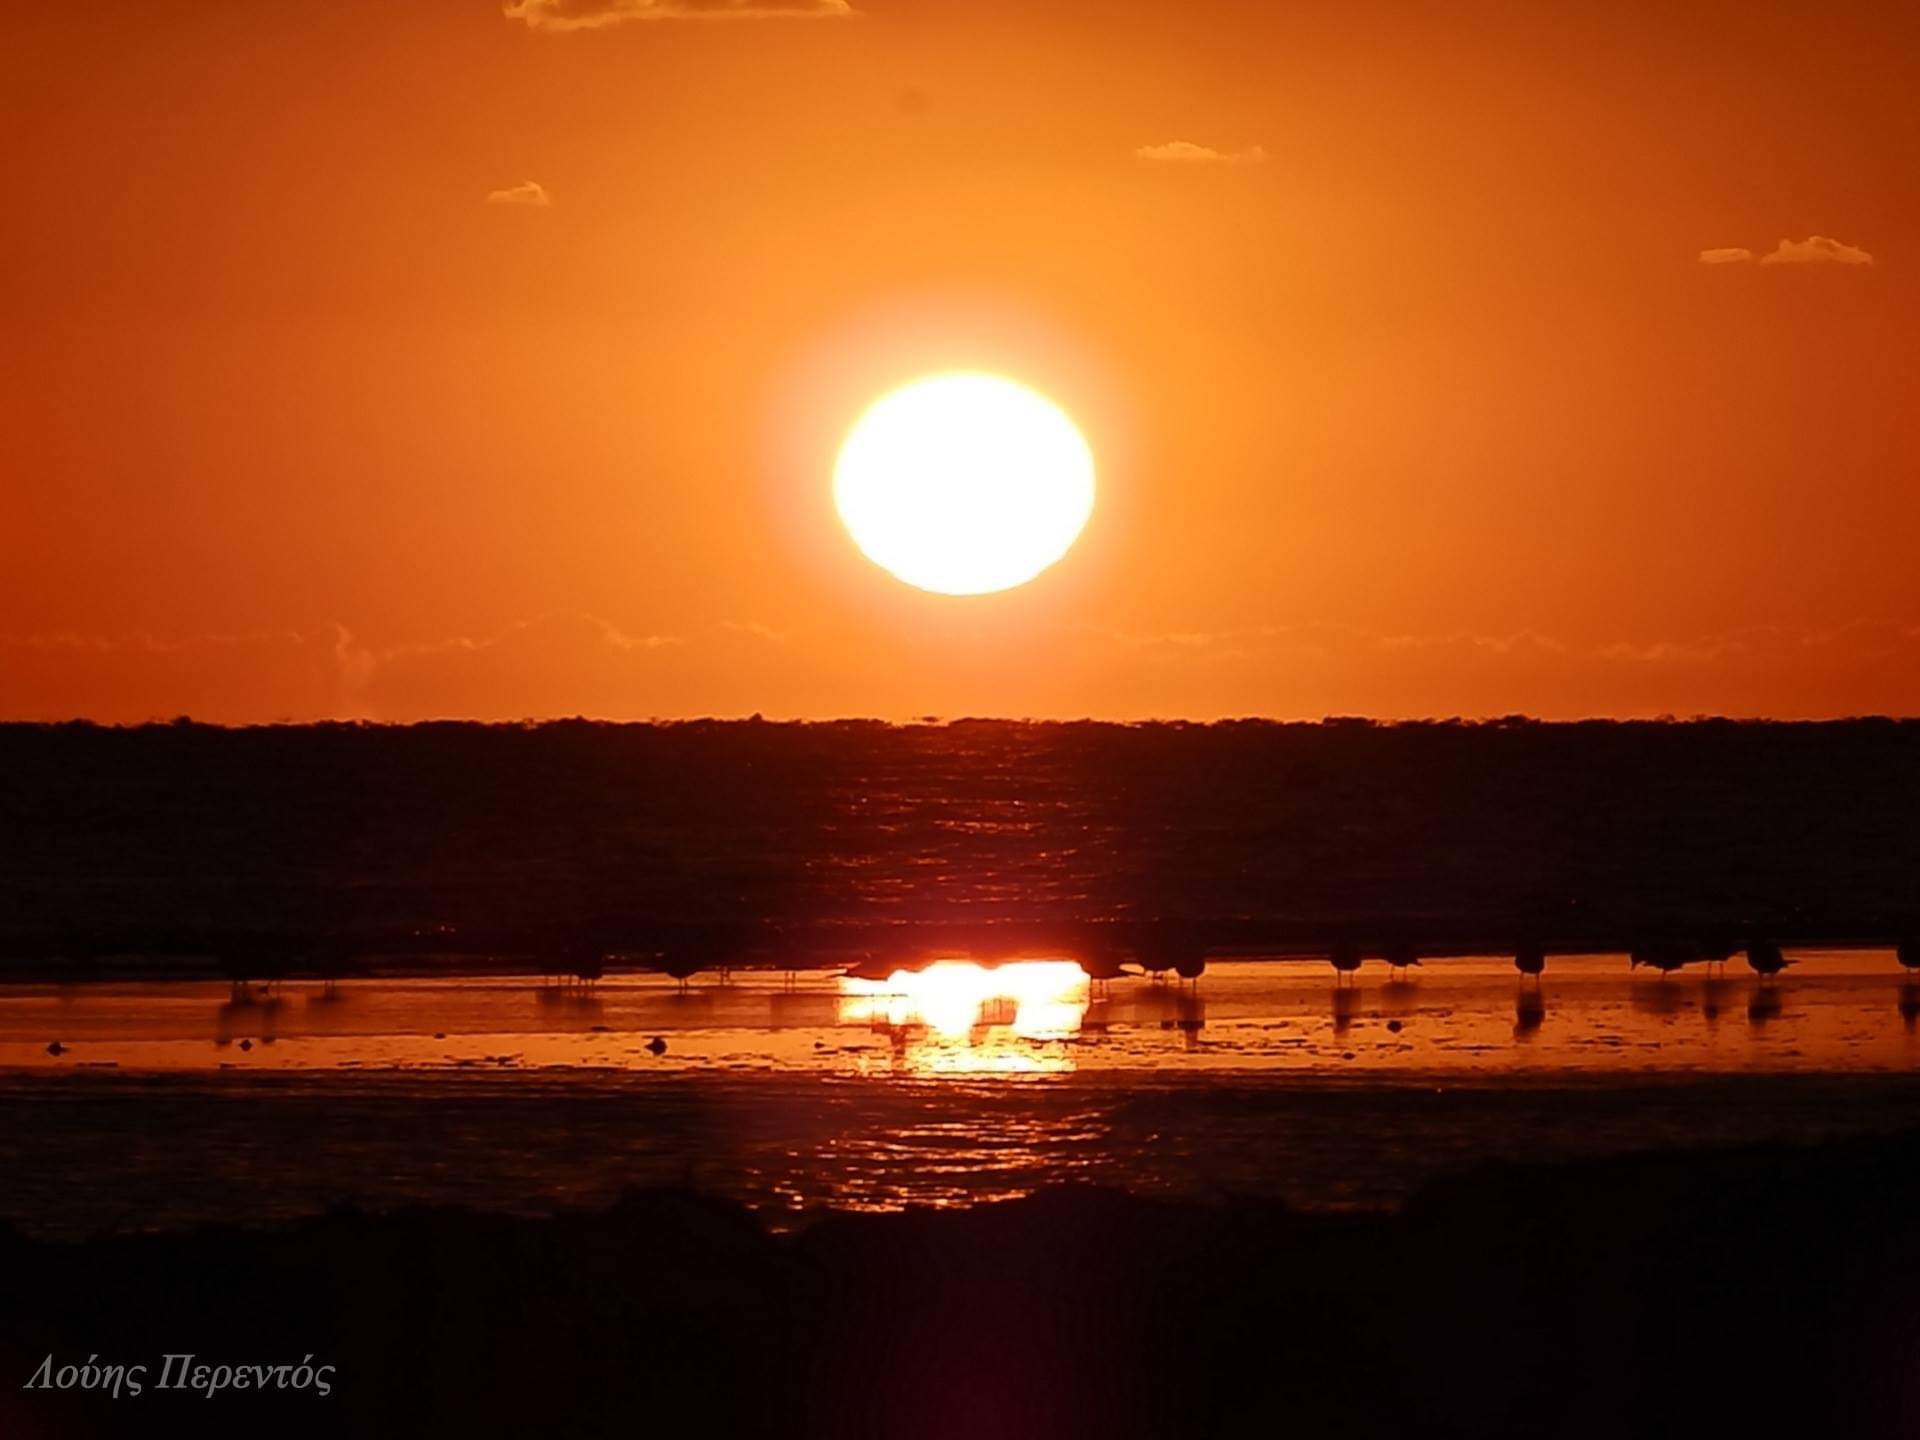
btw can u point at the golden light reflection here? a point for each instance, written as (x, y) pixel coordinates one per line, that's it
(955, 1016)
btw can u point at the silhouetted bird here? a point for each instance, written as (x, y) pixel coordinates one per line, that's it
(1190, 965)
(56, 1049)
(1716, 955)
(1103, 967)
(656, 1046)
(1908, 954)
(1666, 957)
(588, 966)
(1766, 959)
(1400, 958)
(1345, 959)
(682, 967)
(870, 968)
(1530, 960)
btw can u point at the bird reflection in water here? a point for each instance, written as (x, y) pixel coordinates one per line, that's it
(1529, 1010)
(1763, 1005)
(569, 1008)
(954, 1016)
(1345, 1003)
(1189, 1017)
(1910, 1004)
(247, 1012)
(1657, 997)
(1713, 996)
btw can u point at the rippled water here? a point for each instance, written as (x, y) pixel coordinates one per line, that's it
(169, 1103)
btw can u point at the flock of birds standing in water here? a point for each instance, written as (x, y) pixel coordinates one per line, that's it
(1186, 961)
(1157, 959)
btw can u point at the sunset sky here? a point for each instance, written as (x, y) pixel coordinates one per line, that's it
(408, 360)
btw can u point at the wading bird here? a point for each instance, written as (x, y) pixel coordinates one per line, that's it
(1400, 959)
(1345, 959)
(1664, 956)
(1908, 954)
(681, 965)
(1766, 959)
(1102, 968)
(1530, 960)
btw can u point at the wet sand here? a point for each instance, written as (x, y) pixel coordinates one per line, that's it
(1759, 1291)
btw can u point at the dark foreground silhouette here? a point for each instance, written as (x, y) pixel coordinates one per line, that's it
(1748, 1292)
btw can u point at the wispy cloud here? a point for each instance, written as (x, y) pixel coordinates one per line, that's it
(598, 14)
(1185, 152)
(572, 663)
(1816, 250)
(527, 192)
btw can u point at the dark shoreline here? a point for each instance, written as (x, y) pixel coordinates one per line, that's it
(309, 847)
(1751, 1289)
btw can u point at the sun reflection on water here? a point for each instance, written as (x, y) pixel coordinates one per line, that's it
(958, 1017)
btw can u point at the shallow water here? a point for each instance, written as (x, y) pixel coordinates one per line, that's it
(1834, 1011)
(175, 1103)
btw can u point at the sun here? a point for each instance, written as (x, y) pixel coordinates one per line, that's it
(964, 483)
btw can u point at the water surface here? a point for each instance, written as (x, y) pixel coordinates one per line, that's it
(174, 1103)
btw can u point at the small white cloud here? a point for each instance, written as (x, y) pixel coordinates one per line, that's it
(1816, 250)
(598, 14)
(1726, 255)
(527, 192)
(1185, 152)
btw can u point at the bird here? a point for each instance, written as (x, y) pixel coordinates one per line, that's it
(1664, 956)
(1908, 954)
(656, 1046)
(1344, 956)
(681, 966)
(588, 965)
(56, 1049)
(1102, 968)
(871, 968)
(1170, 945)
(1530, 960)
(1765, 959)
(1400, 958)
(1717, 953)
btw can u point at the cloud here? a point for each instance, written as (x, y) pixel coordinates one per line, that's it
(1185, 152)
(572, 663)
(1303, 670)
(598, 14)
(527, 192)
(1816, 250)
(1726, 255)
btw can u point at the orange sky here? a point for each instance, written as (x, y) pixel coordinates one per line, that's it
(1419, 400)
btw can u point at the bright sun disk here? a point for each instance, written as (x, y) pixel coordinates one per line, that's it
(964, 483)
